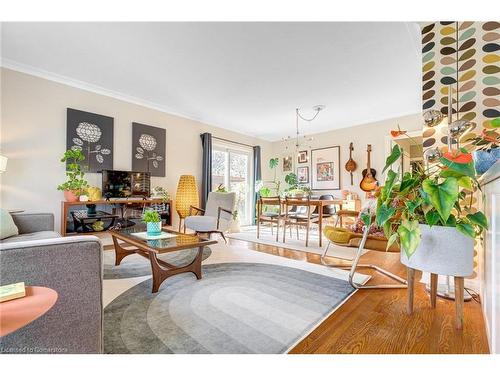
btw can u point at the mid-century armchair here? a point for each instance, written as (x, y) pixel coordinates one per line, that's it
(215, 217)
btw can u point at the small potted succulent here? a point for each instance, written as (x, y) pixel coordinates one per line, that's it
(153, 222)
(429, 212)
(488, 150)
(76, 184)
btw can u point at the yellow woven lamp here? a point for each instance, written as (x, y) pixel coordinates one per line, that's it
(186, 196)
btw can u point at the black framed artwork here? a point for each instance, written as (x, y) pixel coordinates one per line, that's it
(93, 135)
(148, 149)
(302, 157)
(287, 164)
(325, 168)
(303, 175)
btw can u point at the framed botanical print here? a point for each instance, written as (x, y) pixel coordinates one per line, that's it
(92, 134)
(287, 164)
(302, 157)
(303, 175)
(325, 168)
(148, 149)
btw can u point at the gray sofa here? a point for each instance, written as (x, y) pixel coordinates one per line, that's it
(72, 266)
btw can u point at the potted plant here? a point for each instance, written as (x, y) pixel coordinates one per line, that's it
(429, 213)
(234, 227)
(153, 222)
(488, 150)
(160, 193)
(76, 183)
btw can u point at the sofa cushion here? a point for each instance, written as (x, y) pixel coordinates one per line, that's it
(7, 226)
(43, 235)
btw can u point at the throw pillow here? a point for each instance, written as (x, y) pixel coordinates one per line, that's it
(7, 226)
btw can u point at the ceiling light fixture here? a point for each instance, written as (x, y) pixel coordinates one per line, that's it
(300, 142)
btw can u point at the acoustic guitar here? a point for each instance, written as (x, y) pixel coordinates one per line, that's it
(351, 165)
(369, 182)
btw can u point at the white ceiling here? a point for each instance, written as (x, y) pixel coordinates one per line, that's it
(247, 77)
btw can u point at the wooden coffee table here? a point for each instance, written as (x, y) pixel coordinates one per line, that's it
(150, 249)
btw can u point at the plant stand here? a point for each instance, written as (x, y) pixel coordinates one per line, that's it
(459, 295)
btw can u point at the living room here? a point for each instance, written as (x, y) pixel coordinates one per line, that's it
(249, 187)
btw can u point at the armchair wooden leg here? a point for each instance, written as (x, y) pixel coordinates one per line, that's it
(433, 291)
(411, 287)
(459, 302)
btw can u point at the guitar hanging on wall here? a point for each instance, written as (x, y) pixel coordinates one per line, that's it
(351, 165)
(369, 182)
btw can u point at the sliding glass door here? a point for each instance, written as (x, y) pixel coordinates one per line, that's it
(232, 169)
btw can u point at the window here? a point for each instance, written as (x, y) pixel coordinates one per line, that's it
(232, 168)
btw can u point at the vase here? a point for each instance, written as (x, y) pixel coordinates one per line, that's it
(442, 251)
(483, 159)
(234, 226)
(70, 196)
(153, 229)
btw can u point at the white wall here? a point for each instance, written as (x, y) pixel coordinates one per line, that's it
(373, 133)
(33, 137)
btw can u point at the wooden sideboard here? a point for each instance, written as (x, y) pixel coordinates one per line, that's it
(138, 202)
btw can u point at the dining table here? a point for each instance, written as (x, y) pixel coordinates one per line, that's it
(317, 203)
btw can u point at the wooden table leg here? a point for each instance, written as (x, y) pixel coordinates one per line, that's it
(120, 252)
(411, 287)
(433, 291)
(459, 302)
(160, 274)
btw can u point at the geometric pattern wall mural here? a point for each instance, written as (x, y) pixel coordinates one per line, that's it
(471, 49)
(463, 57)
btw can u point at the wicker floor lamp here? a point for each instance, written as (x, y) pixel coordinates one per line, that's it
(186, 196)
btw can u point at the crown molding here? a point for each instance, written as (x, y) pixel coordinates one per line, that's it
(31, 70)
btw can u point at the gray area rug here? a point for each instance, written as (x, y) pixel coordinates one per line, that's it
(234, 308)
(136, 265)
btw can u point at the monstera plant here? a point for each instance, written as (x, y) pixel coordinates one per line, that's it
(412, 205)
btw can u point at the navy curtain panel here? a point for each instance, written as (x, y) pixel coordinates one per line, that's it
(206, 179)
(257, 176)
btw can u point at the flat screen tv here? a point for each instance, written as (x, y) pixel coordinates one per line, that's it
(125, 184)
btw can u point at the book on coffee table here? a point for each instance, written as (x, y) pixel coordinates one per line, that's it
(12, 291)
(161, 236)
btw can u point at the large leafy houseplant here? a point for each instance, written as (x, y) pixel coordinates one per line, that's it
(75, 184)
(439, 194)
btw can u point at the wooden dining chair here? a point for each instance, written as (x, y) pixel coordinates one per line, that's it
(300, 217)
(266, 216)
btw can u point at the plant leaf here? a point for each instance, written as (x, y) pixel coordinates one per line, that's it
(389, 182)
(466, 229)
(366, 218)
(465, 169)
(387, 229)
(393, 238)
(479, 219)
(384, 213)
(432, 218)
(409, 235)
(412, 205)
(395, 154)
(442, 196)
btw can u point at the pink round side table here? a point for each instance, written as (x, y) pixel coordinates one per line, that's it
(17, 313)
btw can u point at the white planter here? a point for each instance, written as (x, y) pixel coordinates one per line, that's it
(234, 226)
(443, 251)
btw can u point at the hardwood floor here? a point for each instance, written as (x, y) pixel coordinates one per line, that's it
(375, 321)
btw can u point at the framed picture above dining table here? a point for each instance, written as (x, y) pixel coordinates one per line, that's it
(325, 168)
